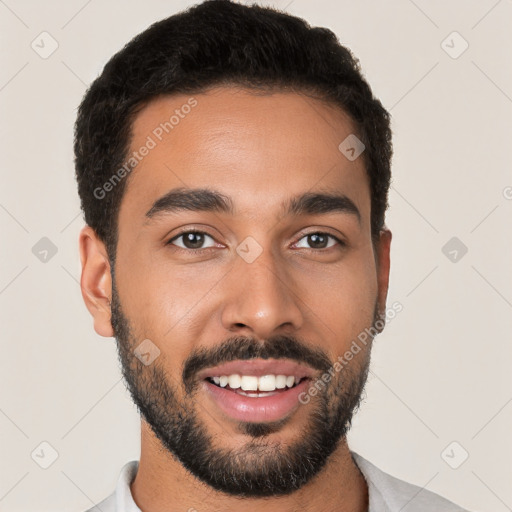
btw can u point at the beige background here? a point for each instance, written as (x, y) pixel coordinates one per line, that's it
(441, 369)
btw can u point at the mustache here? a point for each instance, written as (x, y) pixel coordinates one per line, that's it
(243, 348)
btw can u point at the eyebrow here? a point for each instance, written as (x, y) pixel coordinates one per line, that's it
(207, 200)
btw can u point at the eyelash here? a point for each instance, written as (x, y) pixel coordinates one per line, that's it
(340, 242)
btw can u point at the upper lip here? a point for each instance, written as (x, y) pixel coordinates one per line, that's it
(259, 367)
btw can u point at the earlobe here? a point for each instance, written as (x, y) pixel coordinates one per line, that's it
(96, 280)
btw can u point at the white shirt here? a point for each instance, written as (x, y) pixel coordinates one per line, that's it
(386, 493)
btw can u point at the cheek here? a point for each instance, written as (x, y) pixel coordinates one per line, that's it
(168, 303)
(343, 296)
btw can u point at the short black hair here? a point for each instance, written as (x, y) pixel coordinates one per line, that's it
(216, 43)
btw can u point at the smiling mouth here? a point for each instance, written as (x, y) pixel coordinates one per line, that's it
(256, 387)
(253, 398)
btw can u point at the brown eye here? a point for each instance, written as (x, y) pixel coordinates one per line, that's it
(191, 240)
(320, 240)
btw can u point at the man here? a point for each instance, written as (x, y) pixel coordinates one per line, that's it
(233, 168)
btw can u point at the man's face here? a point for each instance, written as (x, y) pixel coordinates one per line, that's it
(259, 283)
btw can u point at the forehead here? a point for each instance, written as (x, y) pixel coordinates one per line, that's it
(258, 149)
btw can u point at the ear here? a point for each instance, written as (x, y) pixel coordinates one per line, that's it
(382, 256)
(96, 280)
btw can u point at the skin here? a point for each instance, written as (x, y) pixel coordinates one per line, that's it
(259, 150)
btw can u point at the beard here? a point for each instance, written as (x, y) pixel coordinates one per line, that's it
(262, 467)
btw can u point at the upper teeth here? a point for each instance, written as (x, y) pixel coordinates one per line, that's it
(252, 383)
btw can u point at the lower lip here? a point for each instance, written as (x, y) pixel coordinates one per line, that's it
(256, 409)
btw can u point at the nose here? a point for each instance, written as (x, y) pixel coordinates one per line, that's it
(262, 300)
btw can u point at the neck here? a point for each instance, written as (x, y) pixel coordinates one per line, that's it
(162, 484)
